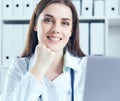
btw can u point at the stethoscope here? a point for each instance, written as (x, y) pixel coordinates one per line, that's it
(72, 85)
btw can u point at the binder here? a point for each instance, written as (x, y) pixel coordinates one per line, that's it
(7, 44)
(112, 8)
(77, 6)
(119, 7)
(0, 46)
(3, 73)
(17, 40)
(114, 41)
(87, 8)
(28, 8)
(35, 3)
(0, 8)
(25, 33)
(12, 42)
(84, 37)
(18, 9)
(97, 38)
(7, 9)
(99, 8)
(0, 36)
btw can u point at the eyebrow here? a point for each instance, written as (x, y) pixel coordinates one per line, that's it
(53, 17)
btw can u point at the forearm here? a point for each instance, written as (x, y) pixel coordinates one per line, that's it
(28, 89)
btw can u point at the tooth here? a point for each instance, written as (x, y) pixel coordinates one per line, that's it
(55, 39)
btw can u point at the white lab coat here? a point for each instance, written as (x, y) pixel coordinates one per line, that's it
(21, 85)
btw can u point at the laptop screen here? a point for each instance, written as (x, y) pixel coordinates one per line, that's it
(102, 81)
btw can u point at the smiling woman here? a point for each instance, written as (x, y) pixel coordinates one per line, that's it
(54, 29)
(52, 53)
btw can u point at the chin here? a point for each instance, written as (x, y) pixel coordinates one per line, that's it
(55, 49)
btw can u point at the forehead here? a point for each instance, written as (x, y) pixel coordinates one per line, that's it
(58, 10)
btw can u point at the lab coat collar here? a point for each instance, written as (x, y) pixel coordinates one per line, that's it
(72, 61)
(69, 60)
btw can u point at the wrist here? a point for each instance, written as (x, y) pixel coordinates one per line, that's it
(37, 74)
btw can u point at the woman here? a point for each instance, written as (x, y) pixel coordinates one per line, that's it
(51, 67)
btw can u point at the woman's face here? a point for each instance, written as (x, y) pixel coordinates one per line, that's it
(54, 26)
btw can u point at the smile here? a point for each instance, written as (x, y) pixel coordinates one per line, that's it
(53, 38)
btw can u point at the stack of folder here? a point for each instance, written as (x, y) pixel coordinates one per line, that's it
(88, 8)
(92, 38)
(112, 8)
(14, 36)
(18, 9)
(3, 73)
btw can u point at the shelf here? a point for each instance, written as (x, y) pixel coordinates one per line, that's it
(81, 18)
(113, 41)
(4, 67)
(114, 21)
(13, 20)
(25, 19)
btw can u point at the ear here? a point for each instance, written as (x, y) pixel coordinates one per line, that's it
(35, 28)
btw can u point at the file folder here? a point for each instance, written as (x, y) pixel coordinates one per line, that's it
(84, 37)
(114, 41)
(28, 8)
(25, 32)
(97, 38)
(3, 73)
(35, 3)
(17, 40)
(112, 7)
(87, 8)
(18, 9)
(7, 44)
(0, 8)
(77, 6)
(0, 45)
(12, 42)
(7, 9)
(119, 7)
(0, 36)
(99, 8)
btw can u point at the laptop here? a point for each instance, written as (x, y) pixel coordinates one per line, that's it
(102, 81)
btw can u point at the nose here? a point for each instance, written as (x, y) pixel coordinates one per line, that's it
(56, 28)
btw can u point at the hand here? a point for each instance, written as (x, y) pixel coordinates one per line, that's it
(43, 60)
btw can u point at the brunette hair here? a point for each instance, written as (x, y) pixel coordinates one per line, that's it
(73, 44)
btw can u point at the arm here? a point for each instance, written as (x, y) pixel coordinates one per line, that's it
(20, 84)
(24, 85)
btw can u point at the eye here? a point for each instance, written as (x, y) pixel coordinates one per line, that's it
(65, 23)
(48, 20)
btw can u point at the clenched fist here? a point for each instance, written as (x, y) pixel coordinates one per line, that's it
(43, 59)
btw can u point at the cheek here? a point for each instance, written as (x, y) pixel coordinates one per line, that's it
(40, 32)
(45, 29)
(40, 35)
(67, 37)
(68, 34)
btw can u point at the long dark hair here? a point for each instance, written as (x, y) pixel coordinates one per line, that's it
(73, 44)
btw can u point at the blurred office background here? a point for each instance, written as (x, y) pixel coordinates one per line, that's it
(99, 22)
